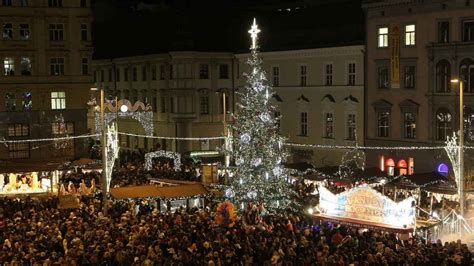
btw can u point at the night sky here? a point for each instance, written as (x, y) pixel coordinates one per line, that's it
(130, 27)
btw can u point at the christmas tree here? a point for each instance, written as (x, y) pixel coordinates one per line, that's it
(258, 149)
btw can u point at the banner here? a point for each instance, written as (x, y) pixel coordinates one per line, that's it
(395, 58)
(369, 206)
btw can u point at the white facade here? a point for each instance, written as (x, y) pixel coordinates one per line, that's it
(319, 93)
(324, 86)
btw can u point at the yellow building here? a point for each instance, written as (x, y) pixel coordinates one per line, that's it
(46, 51)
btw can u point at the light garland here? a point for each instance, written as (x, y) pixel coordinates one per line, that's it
(5, 141)
(168, 154)
(453, 150)
(345, 147)
(144, 118)
(171, 138)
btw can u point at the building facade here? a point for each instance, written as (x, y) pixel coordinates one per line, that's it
(319, 96)
(414, 49)
(184, 89)
(46, 51)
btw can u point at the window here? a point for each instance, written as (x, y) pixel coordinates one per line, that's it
(163, 104)
(221, 104)
(204, 105)
(10, 102)
(383, 37)
(466, 73)
(24, 31)
(23, 2)
(85, 66)
(468, 31)
(95, 76)
(443, 32)
(171, 71)
(18, 130)
(58, 128)
(351, 126)
(102, 75)
(27, 102)
(134, 74)
(276, 76)
(329, 125)
(25, 64)
(224, 71)
(56, 66)
(7, 31)
(328, 75)
(172, 105)
(277, 119)
(143, 73)
(162, 72)
(110, 72)
(9, 66)
(84, 35)
(58, 100)
(83, 3)
(56, 32)
(303, 124)
(443, 75)
(302, 75)
(153, 72)
(443, 124)
(55, 3)
(125, 74)
(409, 125)
(410, 35)
(383, 82)
(203, 71)
(117, 74)
(19, 150)
(409, 74)
(351, 78)
(7, 2)
(383, 123)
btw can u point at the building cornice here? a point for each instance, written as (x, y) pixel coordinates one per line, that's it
(305, 53)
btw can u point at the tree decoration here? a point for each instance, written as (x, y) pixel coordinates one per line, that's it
(112, 152)
(453, 150)
(352, 162)
(61, 132)
(225, 214)
(259, 150)
(168, 154)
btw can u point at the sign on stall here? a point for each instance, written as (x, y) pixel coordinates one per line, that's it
(367, 205)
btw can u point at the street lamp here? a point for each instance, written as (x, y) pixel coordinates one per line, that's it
(461, 144)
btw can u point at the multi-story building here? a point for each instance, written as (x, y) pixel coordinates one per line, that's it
(46, 51)
(414, 49)
(319, 96)
(184, 89)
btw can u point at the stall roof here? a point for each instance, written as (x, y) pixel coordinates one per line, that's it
(158, 192)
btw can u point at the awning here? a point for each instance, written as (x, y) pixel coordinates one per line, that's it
(138, 192)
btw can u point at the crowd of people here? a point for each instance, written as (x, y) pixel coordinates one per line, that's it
(38, 233)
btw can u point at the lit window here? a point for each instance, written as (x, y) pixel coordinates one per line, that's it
(328, 74)
(276, 76)
(19, 150)
(410, 35)
(443, 124)
(390, 164)
(56, 32)
(351, 70)
(329, 125)
(383, 37)
(58, 128)
(18, 130)
(304, 124)
(25, 63)
(58, 100)
(402, 167)
(302, 75)
(7, 31)
(56, 66)
(383, 123)
(24, 31)
(27, 101)
(9, 66)
(411, 166)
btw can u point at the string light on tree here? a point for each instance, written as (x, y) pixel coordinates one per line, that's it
(258, 150)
